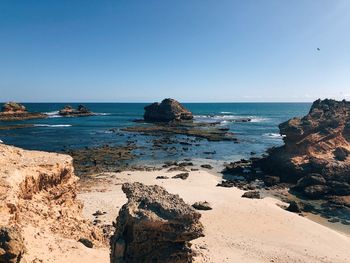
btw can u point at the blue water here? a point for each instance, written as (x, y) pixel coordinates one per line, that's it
(62, 133)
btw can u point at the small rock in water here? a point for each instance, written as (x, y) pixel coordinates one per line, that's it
(182, 176)
(252, 195)
(86, 242)
(202, 206)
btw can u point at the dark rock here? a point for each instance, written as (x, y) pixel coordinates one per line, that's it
(182, 176)
(167, 110)
(293, 207)
(86, 242)
(271, 180)
(333, 220)
(252, 195)
(202, 206)
(227, 183)
(12, 246)
(341, 153)
(162, 177)
(154, 226)
(207, 166)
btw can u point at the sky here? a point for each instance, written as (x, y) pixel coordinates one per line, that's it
(191, 50)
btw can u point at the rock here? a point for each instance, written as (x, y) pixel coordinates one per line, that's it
(252, 195)
(98, 213)
(12, 246)
(69, 111)
(154, 226)
(227, 184)
(293, 207)
(167, 110)
(207, 166)
(315, 153)
(162, 177)
(86, 242)
(202, 206)
(182, 176)
(13, 111)
(271, 180)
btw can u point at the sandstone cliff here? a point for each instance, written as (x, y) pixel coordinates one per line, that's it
(315, 155)
(38, 190)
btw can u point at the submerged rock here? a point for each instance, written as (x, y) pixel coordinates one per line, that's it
(154, 226)
(167, 110)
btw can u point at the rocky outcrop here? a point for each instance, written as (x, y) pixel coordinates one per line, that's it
(13, 111)
(167, 110)
(38, 190)
(315, 156)
(69, 111)
(154, 226)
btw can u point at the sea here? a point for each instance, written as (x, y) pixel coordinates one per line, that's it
(59, 134)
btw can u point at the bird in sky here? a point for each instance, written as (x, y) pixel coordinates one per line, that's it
(318, 49)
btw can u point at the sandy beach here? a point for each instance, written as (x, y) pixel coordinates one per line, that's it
(236, 229)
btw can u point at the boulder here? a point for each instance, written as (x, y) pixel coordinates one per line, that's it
(202, 206)
(154, 226)
(182, 176)
(12, 107)
(12, 246)
(252, 195)
(167, 110)
(293, 207)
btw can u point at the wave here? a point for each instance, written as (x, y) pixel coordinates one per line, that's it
(225, 118)
(274, 135)
(226, 112)
(102, 113)
(1, 141)
(53, 114)
(52, 125)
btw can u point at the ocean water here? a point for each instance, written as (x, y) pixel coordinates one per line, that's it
(61, 133)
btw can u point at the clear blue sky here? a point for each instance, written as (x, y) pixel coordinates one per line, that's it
(192, 50)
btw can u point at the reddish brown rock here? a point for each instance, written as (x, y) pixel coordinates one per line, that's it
(13, 111)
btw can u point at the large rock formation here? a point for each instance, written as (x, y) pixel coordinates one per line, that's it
(167, 110)
(69, 111)
(154, 226)
(38, 191)
(12, 111)
(315, 155)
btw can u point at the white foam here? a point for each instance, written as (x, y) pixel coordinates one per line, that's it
(1, 141)
(274, 135)
(53, 114)
(52, 125)
(226, 118)
(102, 113)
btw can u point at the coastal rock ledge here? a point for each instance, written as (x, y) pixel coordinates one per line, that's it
(13, 111)
(167, 110)
(316, 153)
(154, 226)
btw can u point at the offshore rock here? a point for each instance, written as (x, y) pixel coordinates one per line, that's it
(154, 226)
(167, 110)
(13, 111)
(69, 111)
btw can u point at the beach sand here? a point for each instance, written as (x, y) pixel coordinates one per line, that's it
(236, 230)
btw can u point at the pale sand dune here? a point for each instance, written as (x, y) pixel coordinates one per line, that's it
(237, 229)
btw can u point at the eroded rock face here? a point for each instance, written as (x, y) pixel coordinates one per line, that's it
(167, 110)
(11, 245)
(315, 156)
(154, 226)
